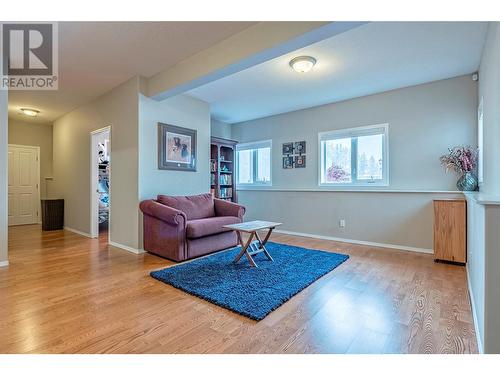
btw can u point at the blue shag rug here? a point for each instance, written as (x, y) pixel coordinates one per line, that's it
(251, 292)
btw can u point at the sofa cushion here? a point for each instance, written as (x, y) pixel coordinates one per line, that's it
(194, 206)
(208, 226)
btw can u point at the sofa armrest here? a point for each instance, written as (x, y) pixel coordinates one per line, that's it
(225, 208)
(164, 213)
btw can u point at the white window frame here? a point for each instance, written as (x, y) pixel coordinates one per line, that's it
(268, 143)
(480, 142)
(354, 133)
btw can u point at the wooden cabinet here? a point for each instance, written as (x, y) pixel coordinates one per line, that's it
(450, 230)
(222, 168)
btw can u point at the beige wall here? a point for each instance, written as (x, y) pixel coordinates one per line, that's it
(220, 129)
(29, 134)
(119, 109)
(489, 89)
(423, 122)
(3, 174)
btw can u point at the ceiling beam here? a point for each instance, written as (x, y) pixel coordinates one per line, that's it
(252, 46)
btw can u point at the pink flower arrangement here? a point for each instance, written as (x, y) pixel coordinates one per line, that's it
(335, 173)
(460, 159)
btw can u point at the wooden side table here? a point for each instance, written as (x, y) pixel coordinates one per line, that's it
(253, 247)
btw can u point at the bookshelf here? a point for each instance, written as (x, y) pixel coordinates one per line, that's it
(222, 167)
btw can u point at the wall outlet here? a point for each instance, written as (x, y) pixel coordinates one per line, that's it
(342, 223)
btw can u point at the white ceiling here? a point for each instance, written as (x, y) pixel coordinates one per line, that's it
(97, 56)
(372, 58)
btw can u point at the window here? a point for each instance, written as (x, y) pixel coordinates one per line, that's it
(355, 156)
(480, 142)
(253, 163)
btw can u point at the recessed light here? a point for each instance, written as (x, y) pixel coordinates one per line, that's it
(302, 64)
(30, 112)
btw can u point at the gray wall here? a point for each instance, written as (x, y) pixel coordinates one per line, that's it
(423, 122)
(476, 263)
(183, 111)
(483, 258)
(119, 109)
(29, 134)
(400, 219)
(220, 129)
(492, 279)
(3, 172)
(489, 89)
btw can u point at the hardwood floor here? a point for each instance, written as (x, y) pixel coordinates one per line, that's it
(64, 293)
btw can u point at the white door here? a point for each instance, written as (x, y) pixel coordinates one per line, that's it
(23, 185)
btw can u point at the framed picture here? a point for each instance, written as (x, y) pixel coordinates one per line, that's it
(300, 161)
(300, 147)
(287, 148)
(176, 148)
(287, 162)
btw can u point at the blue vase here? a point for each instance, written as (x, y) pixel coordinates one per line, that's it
(468, 182)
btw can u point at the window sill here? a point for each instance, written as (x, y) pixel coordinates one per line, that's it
(481, 198)
(353, 186)
(347, 190)
(254, 187)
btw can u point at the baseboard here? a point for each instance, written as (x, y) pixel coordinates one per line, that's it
(474, 314)
(357, 242)
(78, 232)
(4, 263)
(127, 248)
(114, 244)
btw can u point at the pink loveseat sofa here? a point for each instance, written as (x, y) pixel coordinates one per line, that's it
(180, 228)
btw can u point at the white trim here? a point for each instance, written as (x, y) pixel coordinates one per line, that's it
(78, 232)
(481, 198)
(127, 248)
(266, 143)
(474, 313)
(94, 171)
(254, 145)
(357, 242)
(25, 146)
(4, 263)
(355, 133)
(480, 142)
(351, 190)
(111, 243)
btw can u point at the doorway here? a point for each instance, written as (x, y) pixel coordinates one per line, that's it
(23, 185)
(100, 192)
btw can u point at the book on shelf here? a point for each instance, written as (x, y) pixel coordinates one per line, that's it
(226, 193)
(213, 165)
(226, 179)
(225, 169)
(212, 179)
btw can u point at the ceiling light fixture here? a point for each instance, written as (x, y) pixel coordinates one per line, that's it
(302, 64)
(30, 112)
